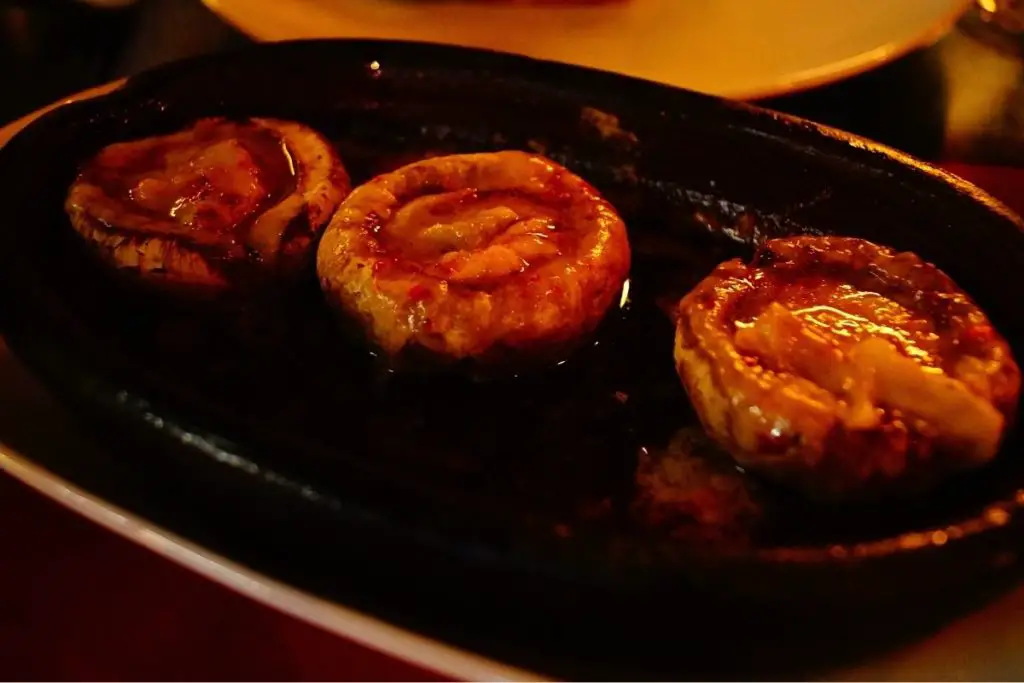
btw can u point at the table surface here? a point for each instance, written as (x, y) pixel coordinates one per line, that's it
(76, 602)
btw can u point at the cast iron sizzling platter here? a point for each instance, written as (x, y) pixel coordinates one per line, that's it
(289, 448)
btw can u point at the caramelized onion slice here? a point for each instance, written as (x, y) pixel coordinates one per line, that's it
(471, 256)
(844, 368)
(220, 199)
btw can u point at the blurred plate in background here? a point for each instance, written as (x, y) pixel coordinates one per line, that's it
(734, 48)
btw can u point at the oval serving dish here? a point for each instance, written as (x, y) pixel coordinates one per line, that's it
(263, 428)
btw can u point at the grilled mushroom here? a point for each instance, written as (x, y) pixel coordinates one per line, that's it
(844, 368)
(220, 204)
(475, 256)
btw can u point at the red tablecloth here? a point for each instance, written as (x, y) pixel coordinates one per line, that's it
(77, 602)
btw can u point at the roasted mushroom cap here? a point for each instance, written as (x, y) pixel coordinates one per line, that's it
(475, 256)
(844, 368)
(221, 204)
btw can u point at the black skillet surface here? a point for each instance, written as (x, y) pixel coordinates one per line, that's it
(260, 430)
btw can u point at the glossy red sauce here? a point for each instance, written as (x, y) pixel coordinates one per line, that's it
(842, 311)
(216, 181)
(435, 234)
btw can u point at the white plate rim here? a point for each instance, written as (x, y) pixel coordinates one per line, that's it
(342, 621)
(232, 13)
(368, 631)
